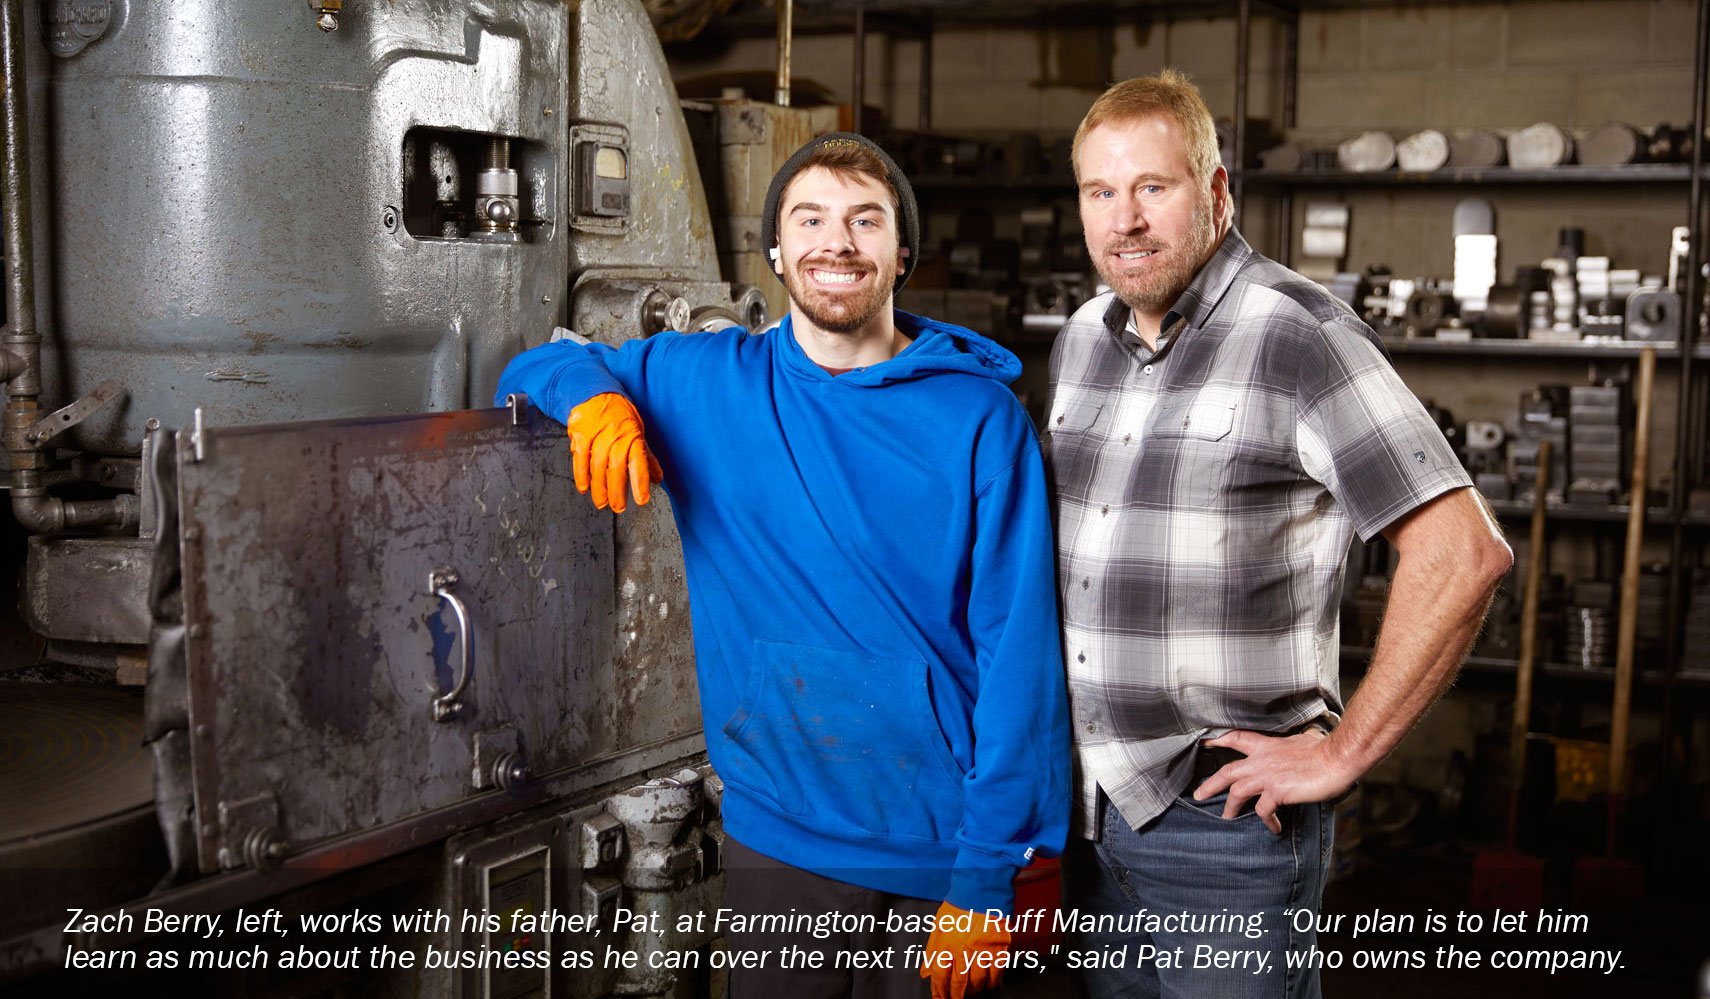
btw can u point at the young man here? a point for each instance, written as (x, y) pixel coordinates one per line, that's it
(1219, 428)
(868, 545)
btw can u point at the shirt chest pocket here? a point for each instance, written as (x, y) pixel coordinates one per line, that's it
(1069, 429)
(1189, 451)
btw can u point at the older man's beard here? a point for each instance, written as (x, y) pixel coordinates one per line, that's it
(1158, 289)
(832, 312)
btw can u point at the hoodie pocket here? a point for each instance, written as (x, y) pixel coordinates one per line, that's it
(845, 739)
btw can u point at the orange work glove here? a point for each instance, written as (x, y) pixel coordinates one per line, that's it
(606, 443)
(974, 952)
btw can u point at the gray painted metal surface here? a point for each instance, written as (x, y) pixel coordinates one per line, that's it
(222, 175)
(316, 651)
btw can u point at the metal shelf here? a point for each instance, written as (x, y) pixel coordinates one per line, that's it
(1569, 512)
(1640, 173)
(1358, 656)
(1534, 348)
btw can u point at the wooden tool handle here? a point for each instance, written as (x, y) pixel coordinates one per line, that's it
(1629, 623)
(1528, 645)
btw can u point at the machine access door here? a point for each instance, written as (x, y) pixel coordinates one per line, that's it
(399, 627)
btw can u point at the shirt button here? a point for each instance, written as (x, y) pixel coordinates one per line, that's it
(1127, 437)
(1086, 583)
(1081, 658)
(1091, 728)
(1147, 369)
(1105, 512)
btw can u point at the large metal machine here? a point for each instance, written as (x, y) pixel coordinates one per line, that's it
(266, 262)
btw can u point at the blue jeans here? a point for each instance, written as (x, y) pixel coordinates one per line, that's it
(1191, 890)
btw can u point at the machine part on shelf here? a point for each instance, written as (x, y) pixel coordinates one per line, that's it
(497, 206)
(1494, 485)
(1475, 270)
(1653, 316)
(1422, 151)
(1425, 311)
(1590, 637)
(1351, 289)
(1485, 434)
(1323, 240)
(1504, 312)
(1570, 243)
(1474, 216)
(1593, 492)
(1612, 143)
(1539, 313)
(1669, 145)
(1477, 149)
(1368, 152)
(1540, 147)
(1288, 157)
(1678, 250)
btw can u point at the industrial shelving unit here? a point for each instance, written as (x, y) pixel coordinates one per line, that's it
(918, 18)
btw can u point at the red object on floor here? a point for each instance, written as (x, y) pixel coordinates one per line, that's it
(1038, 899)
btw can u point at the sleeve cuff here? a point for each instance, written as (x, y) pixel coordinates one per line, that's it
(981, 882)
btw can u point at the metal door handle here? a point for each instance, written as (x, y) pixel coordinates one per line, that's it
(440, 581)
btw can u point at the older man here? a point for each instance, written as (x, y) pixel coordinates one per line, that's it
(1219, 428)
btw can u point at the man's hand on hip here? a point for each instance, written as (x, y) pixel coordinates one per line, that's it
(606, 446)
(1278, 770)
(974, 945)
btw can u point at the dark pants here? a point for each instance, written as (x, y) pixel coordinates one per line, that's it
(757, 885)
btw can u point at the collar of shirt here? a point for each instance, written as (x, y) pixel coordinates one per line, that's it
(1195, 305)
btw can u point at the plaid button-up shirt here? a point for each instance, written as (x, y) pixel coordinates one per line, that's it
(1206, 495)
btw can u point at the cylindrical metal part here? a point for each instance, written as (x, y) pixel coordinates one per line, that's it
(1653, 314)
(21, 335)
(1423, 151)
(1369, 152)
(1540, 147)
(1477, 149)
(1504, 311)
(1612, 143)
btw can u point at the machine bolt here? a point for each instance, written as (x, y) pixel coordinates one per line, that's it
(389, 219)
(328, 21)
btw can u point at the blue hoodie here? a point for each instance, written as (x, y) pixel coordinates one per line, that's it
(871, 579)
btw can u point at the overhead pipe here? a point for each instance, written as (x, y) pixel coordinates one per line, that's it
(786, 17)
(21, 348)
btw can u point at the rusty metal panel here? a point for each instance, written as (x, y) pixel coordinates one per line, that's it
(316, 651)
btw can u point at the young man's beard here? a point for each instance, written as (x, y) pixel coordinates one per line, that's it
(831, 312)
(1157, 291)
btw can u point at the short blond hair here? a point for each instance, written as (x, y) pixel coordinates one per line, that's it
(1172, 94)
